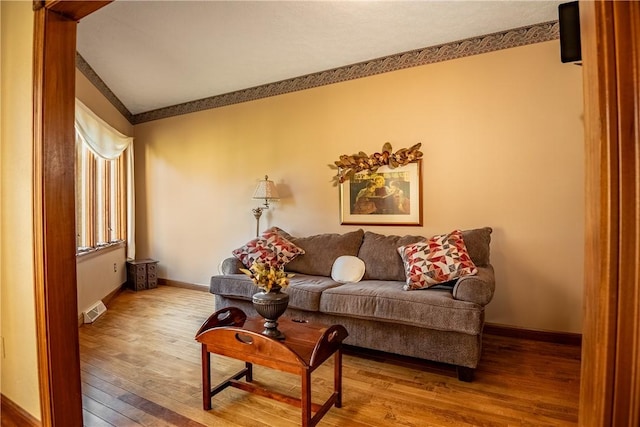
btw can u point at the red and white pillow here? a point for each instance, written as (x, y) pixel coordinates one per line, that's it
(440, 259)
(270, 249)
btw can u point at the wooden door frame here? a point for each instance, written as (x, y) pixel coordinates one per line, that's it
(610, 373)
(611, 293)
(54, 53)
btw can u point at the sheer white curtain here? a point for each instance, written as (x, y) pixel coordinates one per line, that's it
(107, 143)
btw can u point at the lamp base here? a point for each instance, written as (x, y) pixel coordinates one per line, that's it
(257, 213)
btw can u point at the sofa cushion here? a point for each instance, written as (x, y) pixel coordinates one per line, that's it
(381, 257)
(304, 291)
(440, 259)
(270, 249)
(477, 242)
(387, 301)
(322, 250)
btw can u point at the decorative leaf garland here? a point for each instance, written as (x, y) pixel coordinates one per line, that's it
(348, 166)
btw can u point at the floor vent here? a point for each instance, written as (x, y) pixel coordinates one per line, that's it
(95, 311)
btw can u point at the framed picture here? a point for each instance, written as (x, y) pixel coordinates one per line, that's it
(389, 196)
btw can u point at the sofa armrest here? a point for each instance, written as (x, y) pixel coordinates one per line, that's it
(478, 288)
(231, 265)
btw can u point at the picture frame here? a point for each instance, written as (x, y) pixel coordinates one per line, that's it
(388, 196)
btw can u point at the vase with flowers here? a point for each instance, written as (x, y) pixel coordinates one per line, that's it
(270, 302)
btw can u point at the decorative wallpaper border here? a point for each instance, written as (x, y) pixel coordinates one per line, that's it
(429, 55)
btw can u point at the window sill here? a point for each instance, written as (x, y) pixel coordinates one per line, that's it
(94, 252)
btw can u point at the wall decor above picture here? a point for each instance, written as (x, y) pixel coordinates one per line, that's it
(348, 165)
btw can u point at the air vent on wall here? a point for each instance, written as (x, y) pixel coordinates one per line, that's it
(93, 312)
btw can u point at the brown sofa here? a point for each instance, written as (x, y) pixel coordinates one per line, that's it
(443, 323)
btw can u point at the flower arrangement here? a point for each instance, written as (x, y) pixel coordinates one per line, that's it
(267, 277)
(348, 166)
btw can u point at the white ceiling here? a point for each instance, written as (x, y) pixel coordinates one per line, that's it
(154, 54)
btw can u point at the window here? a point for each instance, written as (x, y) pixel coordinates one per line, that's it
(104, 184)
(100, 199)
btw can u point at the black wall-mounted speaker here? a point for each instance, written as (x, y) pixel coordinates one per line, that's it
(569, 17)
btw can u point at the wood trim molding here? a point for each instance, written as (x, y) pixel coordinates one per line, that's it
(106, 301)
(54, 210)
(75, 9)
(38, 232)
(114, 294)
(610, 383)
(626, 395)
(54, 213)
(601, 211)
(565, 338)
(429, 55)
(15, 416)
(177, 284)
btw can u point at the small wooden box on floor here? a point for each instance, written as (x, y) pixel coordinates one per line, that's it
(142, 274)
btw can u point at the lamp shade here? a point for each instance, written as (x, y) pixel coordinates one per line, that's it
(266, 190)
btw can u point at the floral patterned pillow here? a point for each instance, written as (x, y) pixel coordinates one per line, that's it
(440, 259)
(270, 249)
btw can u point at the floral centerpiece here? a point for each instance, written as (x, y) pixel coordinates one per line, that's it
(270, 303)
(267, 277)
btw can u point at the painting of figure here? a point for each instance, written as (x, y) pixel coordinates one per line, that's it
(384, 197)
(381, 194)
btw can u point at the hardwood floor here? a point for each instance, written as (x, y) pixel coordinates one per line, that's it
(141, 367)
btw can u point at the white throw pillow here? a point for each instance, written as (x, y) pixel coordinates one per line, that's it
(347, 269)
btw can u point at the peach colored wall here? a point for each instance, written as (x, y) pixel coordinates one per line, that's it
(503, 143)
(19, 361)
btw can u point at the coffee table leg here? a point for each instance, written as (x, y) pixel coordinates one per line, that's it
(337, 380)
(249, 374)
(206, 378)
(306, 398)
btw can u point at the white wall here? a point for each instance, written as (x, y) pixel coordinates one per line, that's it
(502, 135)
(98, 275)
(19, 363)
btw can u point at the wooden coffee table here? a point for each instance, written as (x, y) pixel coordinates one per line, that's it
(229, 332)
